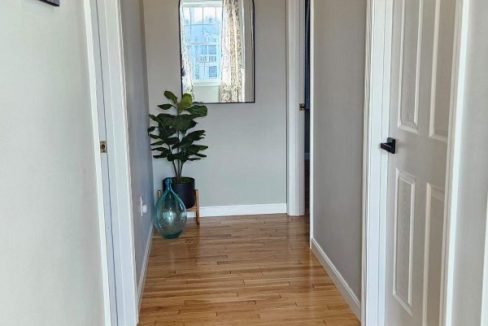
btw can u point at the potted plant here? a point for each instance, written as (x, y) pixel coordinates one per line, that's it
(175, 140)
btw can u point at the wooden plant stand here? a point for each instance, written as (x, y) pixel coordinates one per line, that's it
(196, 208)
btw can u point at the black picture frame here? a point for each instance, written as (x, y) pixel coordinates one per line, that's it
(56, 3)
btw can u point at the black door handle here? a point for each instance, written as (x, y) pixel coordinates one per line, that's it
(390, 145)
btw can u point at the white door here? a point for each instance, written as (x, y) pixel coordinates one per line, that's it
(422, 51)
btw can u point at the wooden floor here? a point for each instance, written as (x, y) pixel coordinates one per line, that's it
(240, 271)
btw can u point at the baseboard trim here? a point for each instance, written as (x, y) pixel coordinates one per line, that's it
(337, 278)
(242, 210)
(142, 277)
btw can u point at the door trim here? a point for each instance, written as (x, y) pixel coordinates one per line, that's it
(454, 152)
(375, 162)
(484, 293)
(114, 93)
(95, 88)
(295, 117)
(312, 119)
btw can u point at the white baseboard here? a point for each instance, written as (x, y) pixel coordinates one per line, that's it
(336, 276)
(241, 210)
(142, 277)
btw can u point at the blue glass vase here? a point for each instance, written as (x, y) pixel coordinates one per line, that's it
(170, 216)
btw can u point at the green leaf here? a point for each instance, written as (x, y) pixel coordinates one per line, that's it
(194, 136)
(194, 149)
(186, 102)
(158, 143)
(165, 133)
(183, 123)
(166, 106)
(191, 138)
(171, 158)
(151, 129)
(171, 96)
(163, 152)
(198, 111)
(172, 140)
(178, 157)
(164, 119)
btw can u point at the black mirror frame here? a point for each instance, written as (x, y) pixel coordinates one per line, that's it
(55, 3)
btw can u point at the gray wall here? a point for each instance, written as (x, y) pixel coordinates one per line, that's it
(50, 246)
(137, 113)
(340, 29)
(473, 186)
(246, 161)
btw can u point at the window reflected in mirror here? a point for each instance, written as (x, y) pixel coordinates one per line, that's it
(217, 50)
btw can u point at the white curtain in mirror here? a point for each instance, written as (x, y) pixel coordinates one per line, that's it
(186, 70)
(231, 87)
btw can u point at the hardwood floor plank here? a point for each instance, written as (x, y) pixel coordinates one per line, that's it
(252, 270)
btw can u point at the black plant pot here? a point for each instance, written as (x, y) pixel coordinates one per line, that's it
(185, 189)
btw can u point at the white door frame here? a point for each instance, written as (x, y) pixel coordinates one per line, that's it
(95, 90)
(454, 152)
(112, 70)
(484, 293)
(375, 163)
(376, 126)
(295, 117)
(312, 119)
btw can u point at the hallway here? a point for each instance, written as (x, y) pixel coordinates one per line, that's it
(241, 271)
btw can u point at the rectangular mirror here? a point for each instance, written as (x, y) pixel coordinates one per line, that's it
(217, 50)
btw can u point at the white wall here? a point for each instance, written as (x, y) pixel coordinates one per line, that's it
(339, 51)
(209, 93)
(473, 188)
(137, 113)
(246, 161)
(51, 265)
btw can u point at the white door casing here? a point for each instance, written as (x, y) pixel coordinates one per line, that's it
(107, 79)
(103, 165)
(295, 117)
(101, 162)
(422, 56)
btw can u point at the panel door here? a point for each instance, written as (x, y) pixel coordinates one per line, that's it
(422, 56)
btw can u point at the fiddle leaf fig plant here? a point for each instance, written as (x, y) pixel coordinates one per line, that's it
(173, 136)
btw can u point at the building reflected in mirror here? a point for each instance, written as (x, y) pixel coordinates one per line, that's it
(217, 50)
